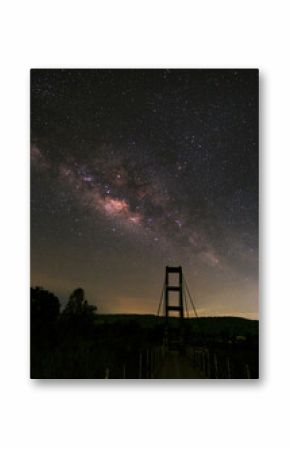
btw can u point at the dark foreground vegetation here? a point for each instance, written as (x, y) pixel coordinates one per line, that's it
(78, 343)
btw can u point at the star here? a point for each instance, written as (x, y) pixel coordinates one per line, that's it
(137, 169)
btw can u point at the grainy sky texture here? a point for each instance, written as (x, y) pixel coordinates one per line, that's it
(132, 170)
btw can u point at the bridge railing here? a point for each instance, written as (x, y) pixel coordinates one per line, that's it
(213, 363)
(141, 365)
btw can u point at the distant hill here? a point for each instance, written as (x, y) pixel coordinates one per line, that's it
(209, 326)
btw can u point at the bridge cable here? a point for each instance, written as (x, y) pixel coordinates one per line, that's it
(190, 298)
(161, 298)
(195, 312)
(186, 305)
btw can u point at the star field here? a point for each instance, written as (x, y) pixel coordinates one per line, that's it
(132, 170)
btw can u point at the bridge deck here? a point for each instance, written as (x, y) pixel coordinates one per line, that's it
(177, 366)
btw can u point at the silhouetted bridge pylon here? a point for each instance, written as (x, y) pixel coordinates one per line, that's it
(180, 288)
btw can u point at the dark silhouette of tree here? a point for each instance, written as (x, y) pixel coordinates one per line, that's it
(44, 307)
(78, 317)
(78, 305)
(44, 313)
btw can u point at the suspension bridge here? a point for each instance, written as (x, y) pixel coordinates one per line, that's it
(180, 346)
(175, 299)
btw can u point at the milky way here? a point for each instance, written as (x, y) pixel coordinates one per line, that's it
(135, 170)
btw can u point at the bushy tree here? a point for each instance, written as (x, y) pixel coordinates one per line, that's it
(78, 305)
(78, 316)
(44, 313)
(44, 306)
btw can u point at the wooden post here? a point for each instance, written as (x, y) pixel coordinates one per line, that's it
(152, 362)
(140, 365)
(215, 366)
(203, 362)
(208, 364)
(157, 356)
(147, 364)
(229, 369)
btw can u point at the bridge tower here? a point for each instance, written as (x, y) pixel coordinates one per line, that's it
(171, 289)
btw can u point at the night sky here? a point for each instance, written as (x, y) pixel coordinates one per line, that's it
(133, 170)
